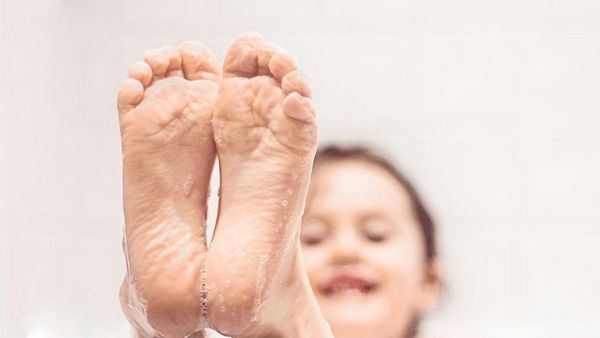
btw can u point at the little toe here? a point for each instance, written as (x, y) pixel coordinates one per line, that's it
(158, 61)
(198, 62)
(298, 107)
(142, 72)
(295, 82)
(174, 68)
(130, 95)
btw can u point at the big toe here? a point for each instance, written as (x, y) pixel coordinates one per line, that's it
(248, 56)
(130, 95)
(252, 55)
(199, 62)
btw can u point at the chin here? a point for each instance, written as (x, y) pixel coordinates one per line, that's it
(354, 330)
(374, 319)
(356, 308)
(355, 321)
(365, 330)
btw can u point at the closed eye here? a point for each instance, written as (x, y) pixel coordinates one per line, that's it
(376, 237)
(313, 232)
(376, 229)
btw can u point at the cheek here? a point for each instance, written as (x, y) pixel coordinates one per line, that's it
(314, 261)
(400, 264)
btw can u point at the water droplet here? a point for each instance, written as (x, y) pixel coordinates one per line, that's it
(290, 191)
(264, 259)
(204, 294)
(284, 203)
(188, 184)
(260, 280)
(223, 310)
(221, 298)
(227, 283)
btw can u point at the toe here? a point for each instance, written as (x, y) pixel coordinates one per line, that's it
(282, 63)
(264, 54)
(298, 107)
(251, 55)
(130, 95)
(174, 68)
(241, 58)
(158, 61)
(295, 82)
(198, 62)
(142, 72)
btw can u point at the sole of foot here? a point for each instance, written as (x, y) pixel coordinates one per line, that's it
(266, 135)
(165, 109)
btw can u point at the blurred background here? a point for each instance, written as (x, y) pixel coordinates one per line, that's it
(492, 108)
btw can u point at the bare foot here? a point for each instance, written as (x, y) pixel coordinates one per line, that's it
(165, 111)
(266, 135)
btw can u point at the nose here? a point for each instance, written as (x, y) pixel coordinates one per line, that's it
(346, 247)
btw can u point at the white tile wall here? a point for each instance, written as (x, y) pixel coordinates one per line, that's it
(492, 108)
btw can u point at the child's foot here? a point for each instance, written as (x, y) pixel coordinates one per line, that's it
(266, 135)
(165, 111)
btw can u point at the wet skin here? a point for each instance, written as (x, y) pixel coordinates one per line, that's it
(176, 113)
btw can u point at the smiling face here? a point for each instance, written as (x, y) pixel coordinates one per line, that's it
(364, 251)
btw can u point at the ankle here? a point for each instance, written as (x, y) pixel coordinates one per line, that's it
(293, 312)
(307, 320)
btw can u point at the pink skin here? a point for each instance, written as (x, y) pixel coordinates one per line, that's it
(263, 126)
(364, 252)
(176, 113)
(265, 131)
(165, 112)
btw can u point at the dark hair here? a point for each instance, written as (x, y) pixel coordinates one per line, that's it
(332, 153)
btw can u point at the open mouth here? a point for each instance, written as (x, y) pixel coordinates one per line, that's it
(348, 284)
